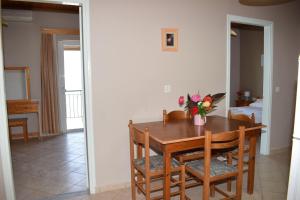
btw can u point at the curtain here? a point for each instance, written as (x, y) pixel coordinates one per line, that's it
(50, 105)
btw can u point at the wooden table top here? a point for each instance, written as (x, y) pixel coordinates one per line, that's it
(185, 130)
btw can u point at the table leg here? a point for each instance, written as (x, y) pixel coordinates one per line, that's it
(167, 171)
(251, 164)
(39, 123)
(25, 131)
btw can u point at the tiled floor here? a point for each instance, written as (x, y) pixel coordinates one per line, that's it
(43, 169)
(271, 182)
(59, 167)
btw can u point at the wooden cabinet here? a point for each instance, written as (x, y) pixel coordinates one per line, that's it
(242, 102)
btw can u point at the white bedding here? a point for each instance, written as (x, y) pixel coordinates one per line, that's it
(248, 110)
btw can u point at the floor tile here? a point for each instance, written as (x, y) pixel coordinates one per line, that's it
(47, 168)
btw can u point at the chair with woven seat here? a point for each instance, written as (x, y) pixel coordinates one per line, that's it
(146, 169)
(211, 171)
(175, 116)
(245, 118)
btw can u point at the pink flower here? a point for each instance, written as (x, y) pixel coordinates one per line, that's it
(181, 100)
(196, 98)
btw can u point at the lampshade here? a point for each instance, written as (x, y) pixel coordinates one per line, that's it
(263, 2)
(233, 33)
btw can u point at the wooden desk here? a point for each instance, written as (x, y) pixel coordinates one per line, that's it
(24, 106)
(181, 136)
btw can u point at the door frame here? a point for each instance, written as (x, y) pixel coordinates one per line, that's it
(84, 14)
(268, 73)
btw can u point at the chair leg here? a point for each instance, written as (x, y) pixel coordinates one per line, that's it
(182, 182)
(239, 181)
(229, 162)
(229, 185)
(148, 188)
(206, 190)
(212, 190)
(25, 132)
(133, 188)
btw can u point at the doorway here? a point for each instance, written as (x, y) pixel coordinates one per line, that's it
(5, 147)
(71, 86)
(267, 75)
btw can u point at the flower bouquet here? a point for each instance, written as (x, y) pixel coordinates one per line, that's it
(198, 107)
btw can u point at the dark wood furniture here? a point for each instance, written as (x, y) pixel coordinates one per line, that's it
(16, 123)
(24, 107)
(243, 102)
(175, 115)
(210, 170)
(146, 168)
(180, 136)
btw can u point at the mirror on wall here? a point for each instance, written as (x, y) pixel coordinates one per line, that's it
(17, 82)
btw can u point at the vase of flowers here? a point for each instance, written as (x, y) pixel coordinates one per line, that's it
(199, 120)
(199, 107)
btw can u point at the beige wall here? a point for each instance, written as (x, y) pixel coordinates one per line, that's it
(129, 69)
(22, 46)
(235, 67)
(252, 47)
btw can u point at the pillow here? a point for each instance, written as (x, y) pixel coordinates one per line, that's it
(258, 103)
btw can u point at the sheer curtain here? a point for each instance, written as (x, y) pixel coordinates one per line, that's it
(49, 104)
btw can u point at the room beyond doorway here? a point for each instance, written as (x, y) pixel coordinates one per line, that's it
(267, 75)
(49, 153)
(73, 89)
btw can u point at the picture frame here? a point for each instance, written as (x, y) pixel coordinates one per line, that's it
(169, 39)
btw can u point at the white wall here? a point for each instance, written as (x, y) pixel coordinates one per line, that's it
(129, 69)
(22, 46)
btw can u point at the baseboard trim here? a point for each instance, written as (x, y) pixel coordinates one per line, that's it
(280, 150)
(31, 135)
(113, 187)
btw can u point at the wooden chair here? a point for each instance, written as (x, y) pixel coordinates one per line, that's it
(246, 118)
(18, 122)
(145, 168)
(178, 115)
(210, 170)
(175, 116)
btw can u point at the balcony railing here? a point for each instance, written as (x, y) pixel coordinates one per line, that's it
(74, 108)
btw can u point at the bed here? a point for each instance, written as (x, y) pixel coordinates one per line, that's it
(255, 107)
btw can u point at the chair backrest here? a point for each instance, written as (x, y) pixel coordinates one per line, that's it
(241, 117)
(175, 115)
(139, 144)
(224, 141)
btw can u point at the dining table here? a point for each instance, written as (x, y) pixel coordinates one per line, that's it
(169, 138)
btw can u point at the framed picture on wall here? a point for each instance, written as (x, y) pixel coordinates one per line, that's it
(169, 39)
